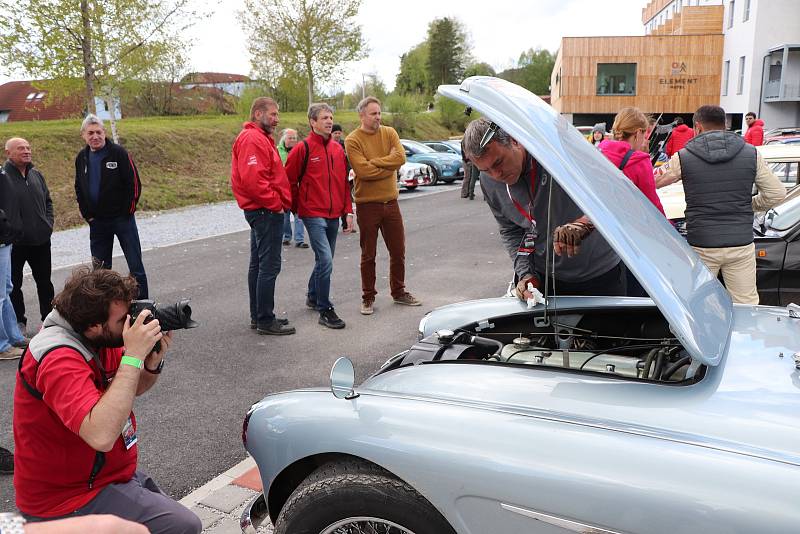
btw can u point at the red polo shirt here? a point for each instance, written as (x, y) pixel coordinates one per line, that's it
(52, 464)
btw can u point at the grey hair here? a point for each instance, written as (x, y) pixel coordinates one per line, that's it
(284, 133)
(366, 101)
(13, 141)
(315, 109)
(90, 119)
(474, 134)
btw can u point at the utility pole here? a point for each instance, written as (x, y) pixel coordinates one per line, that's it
(363, 86)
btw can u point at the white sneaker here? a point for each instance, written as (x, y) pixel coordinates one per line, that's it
(11, 354)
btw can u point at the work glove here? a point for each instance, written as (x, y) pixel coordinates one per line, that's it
(521, 291)
(568, 237)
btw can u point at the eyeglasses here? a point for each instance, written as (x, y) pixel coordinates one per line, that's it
(488, 136)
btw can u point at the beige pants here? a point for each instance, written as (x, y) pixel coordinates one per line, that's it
(738, 266)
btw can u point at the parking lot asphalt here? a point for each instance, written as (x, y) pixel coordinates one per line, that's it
(190, 423)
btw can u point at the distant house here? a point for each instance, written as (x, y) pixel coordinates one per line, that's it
(233, 84)
(23, 101)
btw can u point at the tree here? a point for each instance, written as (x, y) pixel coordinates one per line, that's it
(97, 44)
(532, 71)
(448, 52)
(413, 76)
(313, 37)
(479, 69)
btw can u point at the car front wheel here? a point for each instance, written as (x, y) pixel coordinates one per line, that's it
(353, 496)
(434, 176)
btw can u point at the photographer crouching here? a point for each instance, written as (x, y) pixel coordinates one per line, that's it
(74, 428)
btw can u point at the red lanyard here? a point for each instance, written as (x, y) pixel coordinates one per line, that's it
(532, 194)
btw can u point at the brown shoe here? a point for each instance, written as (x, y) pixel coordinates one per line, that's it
(407, 299)
(366, 307)
(11, 354)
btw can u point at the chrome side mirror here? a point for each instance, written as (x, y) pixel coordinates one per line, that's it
(343, 377)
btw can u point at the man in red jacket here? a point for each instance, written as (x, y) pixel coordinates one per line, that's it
(317, 171)
(259, 184)
(755, 130)
(681, 135)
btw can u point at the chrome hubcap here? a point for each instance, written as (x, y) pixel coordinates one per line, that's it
(365, 525)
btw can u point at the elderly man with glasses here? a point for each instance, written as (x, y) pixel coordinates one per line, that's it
(530, 207)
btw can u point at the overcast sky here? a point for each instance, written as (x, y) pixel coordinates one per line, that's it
(500, 30)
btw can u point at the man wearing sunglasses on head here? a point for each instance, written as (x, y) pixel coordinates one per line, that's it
(534, 214)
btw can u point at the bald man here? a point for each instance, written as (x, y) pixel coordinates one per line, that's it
(36, 210)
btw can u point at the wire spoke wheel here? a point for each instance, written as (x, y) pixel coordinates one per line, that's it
(365, 525)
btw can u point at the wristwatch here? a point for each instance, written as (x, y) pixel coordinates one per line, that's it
(157, 370)
(11, 523)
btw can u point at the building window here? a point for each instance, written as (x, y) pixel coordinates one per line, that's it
(616, 78)
(740, 85)
(746, 14)
(730, 13)
(726, 73)
(31, 96)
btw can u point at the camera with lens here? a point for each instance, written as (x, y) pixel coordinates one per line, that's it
(177, 316)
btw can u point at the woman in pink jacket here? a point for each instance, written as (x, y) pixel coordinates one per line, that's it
(627, 153)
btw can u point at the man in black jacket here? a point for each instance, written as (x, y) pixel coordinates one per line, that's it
(718, 170)
(30, 192)
(107, 186)
(11, 339)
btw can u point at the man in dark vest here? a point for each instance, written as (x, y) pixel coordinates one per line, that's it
(718, 170)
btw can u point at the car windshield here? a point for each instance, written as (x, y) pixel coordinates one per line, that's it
(786, 171)
(786, 214)
(417, 147)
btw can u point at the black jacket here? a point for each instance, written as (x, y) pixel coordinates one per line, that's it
(11, 227)
(35, 206)
(120, 185)
(718, 171)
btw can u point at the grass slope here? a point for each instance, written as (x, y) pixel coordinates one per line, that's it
(181, 160)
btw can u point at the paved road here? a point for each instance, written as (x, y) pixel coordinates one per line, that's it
(190, 423)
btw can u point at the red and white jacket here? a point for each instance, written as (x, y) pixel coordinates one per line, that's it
(258, 179)
(322, 190)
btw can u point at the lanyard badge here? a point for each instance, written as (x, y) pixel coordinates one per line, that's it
(528, 244)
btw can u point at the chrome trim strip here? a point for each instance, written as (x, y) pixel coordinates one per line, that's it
(253, 515)
(566, 524)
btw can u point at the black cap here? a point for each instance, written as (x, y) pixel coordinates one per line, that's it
(336, 128)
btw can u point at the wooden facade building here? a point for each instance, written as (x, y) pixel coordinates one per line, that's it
(673, 70)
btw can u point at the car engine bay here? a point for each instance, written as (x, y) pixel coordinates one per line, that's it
(634, 344)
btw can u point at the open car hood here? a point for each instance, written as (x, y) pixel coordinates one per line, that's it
(698, 308)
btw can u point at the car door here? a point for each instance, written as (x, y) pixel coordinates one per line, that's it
(771, 253)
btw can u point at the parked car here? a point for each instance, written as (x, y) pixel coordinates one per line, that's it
(446, 167)
(447, 146)
(783, 140)
(784, 161)
(583, 414)
(777, 240)
(412, 175)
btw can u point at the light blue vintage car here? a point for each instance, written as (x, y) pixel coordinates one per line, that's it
(679, 414)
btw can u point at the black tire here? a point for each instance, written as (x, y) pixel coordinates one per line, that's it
(411, 187)
(434, 176)
(448, 180)
(339, 490)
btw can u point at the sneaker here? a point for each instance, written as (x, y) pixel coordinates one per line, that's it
(275, 328)
(282, 320)
(366, 307)
(310, 304)
(6, 461)
(301, 245)
(11, 354)
(286, 241)
(407, 299)
(22, 344)
(329, 319)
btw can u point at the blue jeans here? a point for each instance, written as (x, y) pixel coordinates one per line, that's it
(287, 227)
(322, 235)
(265, 263)
(101, 243)
(9, 331)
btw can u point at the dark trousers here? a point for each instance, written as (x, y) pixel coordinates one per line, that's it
(266, 229)
(142, 501)
(383, 217)
(101, 242)
(38, 257)
(322, 236)
(471, 174)
(611, 283)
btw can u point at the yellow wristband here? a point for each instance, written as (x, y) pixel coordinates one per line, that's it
(133, 362)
